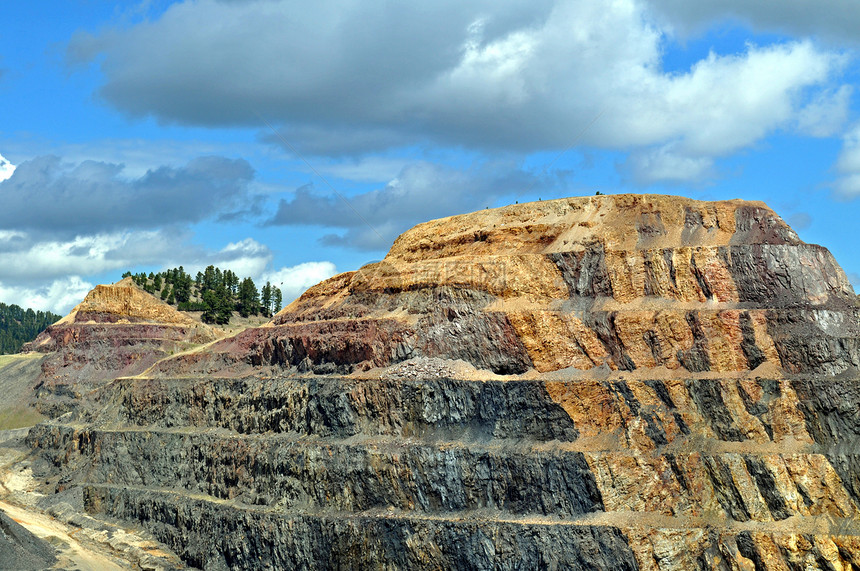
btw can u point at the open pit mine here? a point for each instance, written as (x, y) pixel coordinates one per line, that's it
(609, 382)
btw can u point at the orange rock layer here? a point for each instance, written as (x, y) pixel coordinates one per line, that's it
(627, 282)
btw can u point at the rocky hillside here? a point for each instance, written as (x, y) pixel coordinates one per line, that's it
(117, 330)
(627, 382)
(629, 282)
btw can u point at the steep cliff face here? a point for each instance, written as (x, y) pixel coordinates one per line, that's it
(117, 330)
(629, 282)
(631, 382)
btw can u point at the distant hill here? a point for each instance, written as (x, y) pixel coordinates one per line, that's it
(18, 326)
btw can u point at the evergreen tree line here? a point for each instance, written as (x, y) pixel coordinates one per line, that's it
(215, 292)
(18, 326)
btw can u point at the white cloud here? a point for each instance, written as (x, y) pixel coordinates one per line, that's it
(6, 168)
(729, 102)
(47, 275)
(51, 259)
(24, 260)
(484, 75)
(246, 258)
(58, 296)
(26, 264)
(848, 185)
(666, 164)
(827, 113)
(849, 159)
(848, 165)
(294, 280)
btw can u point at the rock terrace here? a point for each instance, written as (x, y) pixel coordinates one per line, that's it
(627, 382)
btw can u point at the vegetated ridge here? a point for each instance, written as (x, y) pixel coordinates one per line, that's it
(607, 382)
(215, 293)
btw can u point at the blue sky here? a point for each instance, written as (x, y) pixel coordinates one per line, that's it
(289, 141)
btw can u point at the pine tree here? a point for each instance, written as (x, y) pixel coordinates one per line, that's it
(231, 280)
(209, 279)
(18, 326)
(225, 310)
(266, 299)
(218, 308)
(182, 286)
(249, 298)
(210, 300)
(276, 299)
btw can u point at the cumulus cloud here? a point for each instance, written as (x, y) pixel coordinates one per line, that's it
(6, 168)
(667, 164)
(480, 74)
(23, 258)
(421, 191)
(52, 274)
(294, 280)
(246, 258)
(55, 273)
(279, 58)
(63, 223)
(49, 195)
(847, 184)
(58, 296)
(827, 113)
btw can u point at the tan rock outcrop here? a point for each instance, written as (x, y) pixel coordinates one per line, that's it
(124, 302)
(117, 330)
(630, 282)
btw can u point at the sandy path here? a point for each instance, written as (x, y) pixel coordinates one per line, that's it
(61, 536)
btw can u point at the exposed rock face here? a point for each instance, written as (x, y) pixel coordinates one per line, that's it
(628, 281)
(124, 302)
(607, 382)
(117, 330)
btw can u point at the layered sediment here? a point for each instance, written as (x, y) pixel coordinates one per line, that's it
(630, 282)
(117, 330)
(631, 382)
